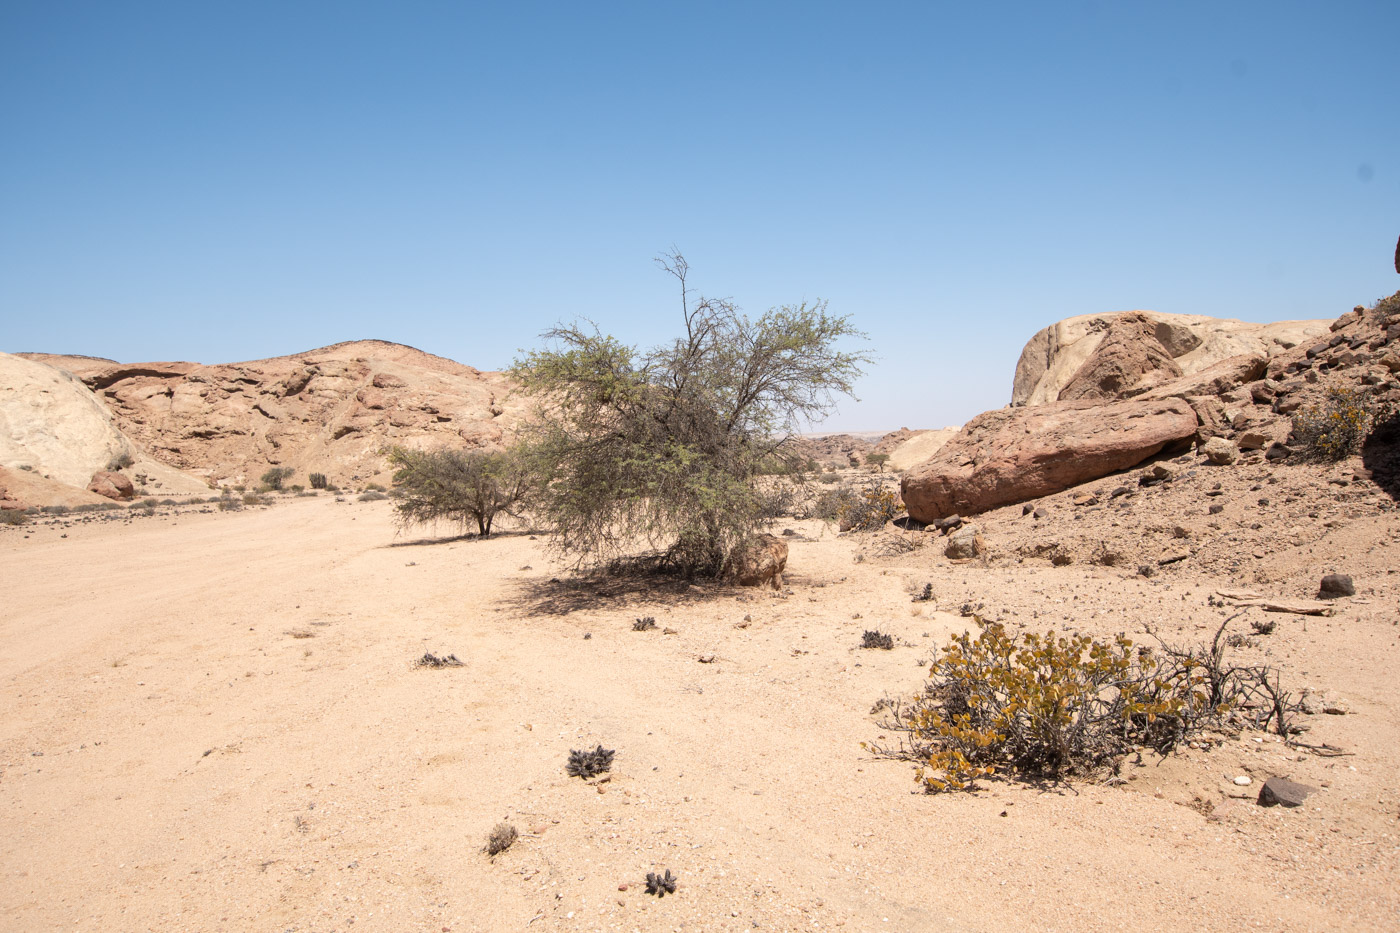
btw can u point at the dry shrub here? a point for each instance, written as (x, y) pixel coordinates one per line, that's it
(1335, 427)
(1042, 706)
(501, 838)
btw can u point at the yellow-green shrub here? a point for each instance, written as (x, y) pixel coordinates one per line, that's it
(1335, 427)
(1044, 706)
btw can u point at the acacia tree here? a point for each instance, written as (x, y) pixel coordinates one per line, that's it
(458, 485)
(664, 448)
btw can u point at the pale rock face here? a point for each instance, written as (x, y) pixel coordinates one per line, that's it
(51, 423)
(1052, 358)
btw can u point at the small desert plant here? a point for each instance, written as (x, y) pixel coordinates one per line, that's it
(1335, 427)
(832, 504)
(317, 480)
(120, 462)
(459, 485)
(501, 838)
(433, 660)
(296, 488)
(252, 498)
(644, 624)
(275, 477)
(230, 504)
(375, 487)
(877, 460)
(168, 502)
(1263, 626)
(373, 495)
(586, 764)
(925, 595)
(877, 639)
(661, 885)
(55, 510)
(13, 517)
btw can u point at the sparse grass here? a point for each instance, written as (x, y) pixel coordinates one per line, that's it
(253, 498)
(372, 496)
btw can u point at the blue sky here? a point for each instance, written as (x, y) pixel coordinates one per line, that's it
(228, 181)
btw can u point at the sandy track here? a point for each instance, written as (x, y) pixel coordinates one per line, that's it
(175, 757)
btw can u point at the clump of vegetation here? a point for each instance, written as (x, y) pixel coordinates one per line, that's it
(644, 624)
(874, 638)
(1335, 427)
(120, 462)
(501, 838)
(54, 509)
(925, 595)
(871, 508)
(432, 660)
(13, 517)
(1263, 626)
(275, 477)
(586, 764)
(877, 460)
(661, 885)
(664, 449)
(1055, 705)
(229, 504)
(460, 485)
(253, 498)
(373, 495)
(831, 504)
(317, 480)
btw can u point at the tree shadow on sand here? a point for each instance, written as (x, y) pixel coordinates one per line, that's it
(630, 583)
(453, 539)
(1380, 454)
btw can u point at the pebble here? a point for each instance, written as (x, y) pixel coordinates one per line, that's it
(1244, 780)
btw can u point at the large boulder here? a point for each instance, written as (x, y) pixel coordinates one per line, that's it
(113, 485)
(761, 562)
(1014, 454)
(1053, 358)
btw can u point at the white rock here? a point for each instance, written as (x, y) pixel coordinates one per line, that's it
(1244, 780)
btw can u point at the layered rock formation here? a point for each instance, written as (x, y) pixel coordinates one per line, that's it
(1052, 364)
(329, 410)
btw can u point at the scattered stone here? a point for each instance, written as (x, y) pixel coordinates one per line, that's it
(1244, 780)
(1220, 451)
(1083, 498)
(432, 660)
(1040, 513)
(1280, 791)
(1335, 585)
(112, 485)
(949, 523)
(1146, 570)
(1216, 509)
(1277, 451)
(1172, 557)
(965, 543)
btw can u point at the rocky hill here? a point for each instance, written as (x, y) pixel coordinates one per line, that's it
(1132, 398)
(328, 410)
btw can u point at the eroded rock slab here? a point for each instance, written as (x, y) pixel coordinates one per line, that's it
(1011, 455)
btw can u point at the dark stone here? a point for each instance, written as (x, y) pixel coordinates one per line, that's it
(1279, 791)
(1216, 509)
(945, 524)
(1336, 340)
(1041, 513)
(1146, 570)
(1314, 350)
(1335, 585)
(1028, 508)
(1277, 452)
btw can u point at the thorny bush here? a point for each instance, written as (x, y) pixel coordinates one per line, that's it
(1041, 706)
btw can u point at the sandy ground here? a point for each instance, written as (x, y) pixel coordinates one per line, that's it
(214, 722)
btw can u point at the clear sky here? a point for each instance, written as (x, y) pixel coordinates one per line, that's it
(221, 181)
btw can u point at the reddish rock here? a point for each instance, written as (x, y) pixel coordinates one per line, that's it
(1213, 380)
(761, 562)
(1129, 350)
(1014, 454)
(112, 485)
(386, 381)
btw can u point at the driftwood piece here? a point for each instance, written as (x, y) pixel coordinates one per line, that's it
(1302, 607)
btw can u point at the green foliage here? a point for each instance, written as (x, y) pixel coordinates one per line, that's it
(877, 460)
(871, 508)
(1336, 427)
(317, 480)
(663, 448)
(1046, 706)
(274, 477)
(459, 485)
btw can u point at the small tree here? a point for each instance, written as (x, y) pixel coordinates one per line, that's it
(458, 485)
(275, 477)
(664, 448)
(877, 460)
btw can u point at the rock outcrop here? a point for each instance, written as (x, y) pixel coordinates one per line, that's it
(1010, 455)
(328, 411)
(112, 485)
(1130, 349)
(1052, 359)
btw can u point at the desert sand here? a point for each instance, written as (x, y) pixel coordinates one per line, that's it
(214, 721)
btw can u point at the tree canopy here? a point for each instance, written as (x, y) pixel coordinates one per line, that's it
(665, 447)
